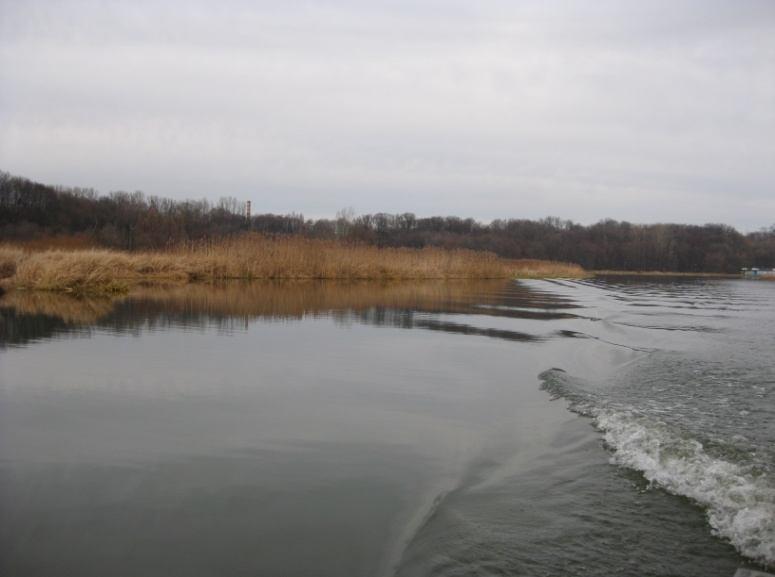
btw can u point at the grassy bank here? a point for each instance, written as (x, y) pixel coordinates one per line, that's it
(254, 257)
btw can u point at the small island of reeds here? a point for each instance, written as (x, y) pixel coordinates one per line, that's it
(254, 257)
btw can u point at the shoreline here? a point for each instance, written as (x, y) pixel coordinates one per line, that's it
(655, 273)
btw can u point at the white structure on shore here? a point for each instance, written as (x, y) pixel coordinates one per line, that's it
(758, 273)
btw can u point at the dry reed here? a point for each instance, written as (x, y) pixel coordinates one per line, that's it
(10, 257)
(256, 257)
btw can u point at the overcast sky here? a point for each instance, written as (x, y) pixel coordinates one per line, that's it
(645, 111)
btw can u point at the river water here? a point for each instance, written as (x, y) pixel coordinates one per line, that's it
(600, 427)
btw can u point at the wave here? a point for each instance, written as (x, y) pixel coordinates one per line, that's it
(739, 499)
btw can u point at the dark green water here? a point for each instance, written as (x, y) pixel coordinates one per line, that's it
(327, 429)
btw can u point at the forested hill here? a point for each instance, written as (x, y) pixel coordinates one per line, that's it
(29, 210)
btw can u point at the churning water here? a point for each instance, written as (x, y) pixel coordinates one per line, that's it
(696, 415)
(603, 427)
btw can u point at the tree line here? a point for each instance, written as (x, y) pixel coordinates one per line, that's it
(132, 221)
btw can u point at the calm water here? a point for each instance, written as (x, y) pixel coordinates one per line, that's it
(606, 427)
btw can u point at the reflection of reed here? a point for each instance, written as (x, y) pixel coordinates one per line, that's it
(289, 299)
(408, 319)
(26, 316)
(299, 298)
(72, 310)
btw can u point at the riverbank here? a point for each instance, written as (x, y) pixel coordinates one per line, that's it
(254, 257)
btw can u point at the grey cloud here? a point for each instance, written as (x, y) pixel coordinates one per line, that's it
(642, 111)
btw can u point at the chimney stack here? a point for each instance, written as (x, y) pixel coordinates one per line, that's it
(247, 210)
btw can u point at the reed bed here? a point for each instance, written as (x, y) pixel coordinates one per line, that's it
(252, 257)
(10, 257)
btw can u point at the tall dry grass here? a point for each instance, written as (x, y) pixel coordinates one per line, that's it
(10, 257)
(256, 257)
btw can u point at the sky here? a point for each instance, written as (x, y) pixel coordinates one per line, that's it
(659, 111)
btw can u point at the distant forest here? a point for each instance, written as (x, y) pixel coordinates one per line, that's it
(132, 221)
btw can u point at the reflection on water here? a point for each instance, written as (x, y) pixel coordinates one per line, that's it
(321, 428)
(29, 316)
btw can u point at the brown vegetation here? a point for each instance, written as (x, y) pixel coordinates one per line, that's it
(78, 241)
(255, 257)
(10, 257)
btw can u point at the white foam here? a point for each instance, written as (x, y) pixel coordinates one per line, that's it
(740, 504)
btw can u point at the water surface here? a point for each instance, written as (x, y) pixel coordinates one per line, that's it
(390, 429)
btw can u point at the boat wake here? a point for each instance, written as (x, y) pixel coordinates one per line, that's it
(739, 498)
